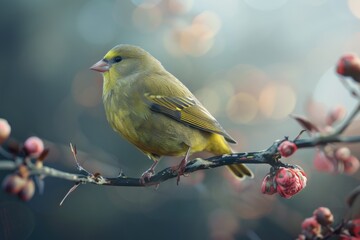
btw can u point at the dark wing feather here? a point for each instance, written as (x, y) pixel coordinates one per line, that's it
(186, 110)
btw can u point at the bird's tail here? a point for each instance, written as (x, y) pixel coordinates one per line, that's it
(240, 171)
(220, 146)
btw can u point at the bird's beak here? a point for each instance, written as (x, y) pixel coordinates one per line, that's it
(101, 66)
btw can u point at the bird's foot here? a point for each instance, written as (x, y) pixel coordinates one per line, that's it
(181, 169)
(148, 173)
(146, 176)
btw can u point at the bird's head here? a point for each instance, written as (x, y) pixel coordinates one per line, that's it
(124, 60)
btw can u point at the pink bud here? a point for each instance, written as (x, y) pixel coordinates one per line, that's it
(34, 146)
(323, 216)
(13, 183)
(285, 176)
(28, 191)
(351, 165)
(268, 185)
(349, 66)
(310, 225)
(342, 153)
(354, 227)
(5, 130)
(287, 148)
(290, 181)
(322, 163)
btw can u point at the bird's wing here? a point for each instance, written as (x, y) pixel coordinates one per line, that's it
(186, 110)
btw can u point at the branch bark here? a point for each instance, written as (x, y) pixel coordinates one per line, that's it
(270, 156)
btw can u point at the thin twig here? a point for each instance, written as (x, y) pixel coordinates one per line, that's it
(79, 167)
(347, 122)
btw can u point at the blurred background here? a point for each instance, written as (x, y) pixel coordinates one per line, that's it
(250, 62)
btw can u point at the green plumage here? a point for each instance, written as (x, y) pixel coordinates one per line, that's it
(154, 111)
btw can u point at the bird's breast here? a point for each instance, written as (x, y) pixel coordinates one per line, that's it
(149, 131)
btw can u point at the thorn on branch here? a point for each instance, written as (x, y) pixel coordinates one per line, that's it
(73, 188)
(79, 167)
(299, 135)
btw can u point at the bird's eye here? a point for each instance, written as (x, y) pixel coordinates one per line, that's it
(117, 59)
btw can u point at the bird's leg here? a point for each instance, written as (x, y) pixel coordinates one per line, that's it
(148, 173)
(182, 166)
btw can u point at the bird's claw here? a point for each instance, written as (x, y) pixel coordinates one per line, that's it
(146, 176)
(181, 170)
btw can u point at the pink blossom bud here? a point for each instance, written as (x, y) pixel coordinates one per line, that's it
(323, 216)
(34, 146)
(28, 191)
(322, 163)
(289, 181)
(5, 130)
(268, 185)
(342, 153)
(13, 183)
(349, 66)
(351, 165)
(343, 64)
(354, 227)
(311, 226)
(287, 148)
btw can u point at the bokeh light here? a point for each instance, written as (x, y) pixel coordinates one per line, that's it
(210, 19)
(179, 6)
(194, 39)
(354, 6)
(277, 101)
(242, 108)
(210, 99)
(147, 19)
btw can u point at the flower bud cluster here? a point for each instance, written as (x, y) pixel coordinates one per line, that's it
(20, 184)
(285, 181)
(317, 226)
(339, 159)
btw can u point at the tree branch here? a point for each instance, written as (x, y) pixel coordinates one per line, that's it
(270, 156)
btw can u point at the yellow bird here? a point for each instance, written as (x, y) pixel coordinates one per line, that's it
(154, 111)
